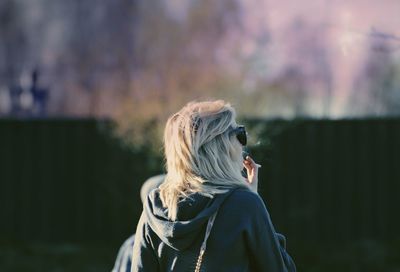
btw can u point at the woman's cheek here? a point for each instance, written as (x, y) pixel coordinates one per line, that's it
(236, 153)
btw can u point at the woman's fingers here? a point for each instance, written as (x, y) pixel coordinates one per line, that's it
(251, 168)
(247, 166)
(252, 172)
(252, 162)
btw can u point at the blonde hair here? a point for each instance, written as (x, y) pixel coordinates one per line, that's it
(201, 155)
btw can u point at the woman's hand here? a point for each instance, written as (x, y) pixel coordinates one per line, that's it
(252, 172)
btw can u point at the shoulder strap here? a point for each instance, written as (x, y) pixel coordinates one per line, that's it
(208, 230)
(204, 244)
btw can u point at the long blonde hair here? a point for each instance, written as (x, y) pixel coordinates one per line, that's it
(201, 155)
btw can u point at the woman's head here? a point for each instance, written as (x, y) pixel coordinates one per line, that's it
(202, 152)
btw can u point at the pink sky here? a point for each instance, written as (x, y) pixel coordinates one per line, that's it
(346, 24)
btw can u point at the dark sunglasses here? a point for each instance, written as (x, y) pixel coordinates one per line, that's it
(241, 134)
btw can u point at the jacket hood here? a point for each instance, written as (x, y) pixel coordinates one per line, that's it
(192, 215)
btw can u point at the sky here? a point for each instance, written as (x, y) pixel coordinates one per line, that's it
(347, 25)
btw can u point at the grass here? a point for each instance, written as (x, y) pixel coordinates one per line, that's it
(56, 258)
(363, 256)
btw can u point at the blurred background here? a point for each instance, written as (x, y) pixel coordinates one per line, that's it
(86, 87)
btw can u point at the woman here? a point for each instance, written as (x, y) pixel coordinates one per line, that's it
(124, 257)
(206, 216)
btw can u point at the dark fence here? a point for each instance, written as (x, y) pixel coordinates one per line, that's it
(332, 181)
(68, 180)
(323, 181)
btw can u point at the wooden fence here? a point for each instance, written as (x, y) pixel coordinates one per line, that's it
(333, 181)
(68, 180)
(323, 181)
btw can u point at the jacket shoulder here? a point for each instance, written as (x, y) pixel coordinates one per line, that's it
(245, 200)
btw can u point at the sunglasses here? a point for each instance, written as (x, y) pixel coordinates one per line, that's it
(241, 134)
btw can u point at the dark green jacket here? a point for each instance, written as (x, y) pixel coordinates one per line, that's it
(242, 238)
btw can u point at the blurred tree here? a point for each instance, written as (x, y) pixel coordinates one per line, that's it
(305, 80)
(176, 59)
(12, 42)
(140, 60)
(377, 87)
